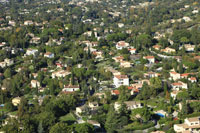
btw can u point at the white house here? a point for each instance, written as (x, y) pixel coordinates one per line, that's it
(122, 44)
(192, 79)
(121, 80)
(179, 85)
(28, 22)
(151, 59)
(60, 73)
(33, 52)
(93, 105)
(132, 50)
(16, 101)
(174, 94)
(49, 55)
(35, 83)
(125, 64)
(191, 125)
(175, 75)
(129, 104)
(71, 88)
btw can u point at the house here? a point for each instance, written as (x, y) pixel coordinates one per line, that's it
(175, 75)
(100, 95)
(113, 71)
(179, 85)
(157, 47)
(93, 105)
(12, 23)
(118, 58)
(60, 74)
(178, 58)
(33, 52)
(191, 125)
(125, 64)
(189, 47)
(35, 83)
(16, 101)
(49, 55)
(197, 58)
(151, 59)
(2, 44)
(174, 94)
(94, 123)
(71, 88)
(133, 90)
(192, 79)
(28, 22)
(115, 92)
(2, 64)
(168, 50)
(81, 109)
(132, 50)
(120, 25)
(122, 44)
(6, 62)
(121, 80)
(35, 40)
(129, 104)
(185, 75)
(151, 75)
(98, 54)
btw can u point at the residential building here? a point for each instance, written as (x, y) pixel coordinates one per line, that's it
(16, 101)
(189, 47)
(151, 59)
(81, 109)
(151, 75)
(192, 79)
(157, 47)
(175, 75)
(28, 22)
(60, 74)
(93, 105)
(179, 85)
(132, 50)
(174, 94)
(122, 44)
(121, 80)
(168, 50)
(118, 58)
(33, 52)
(71, 88)
(129, 104)
(35, 83)
(125, 64)
(49, 55)
(191, 125)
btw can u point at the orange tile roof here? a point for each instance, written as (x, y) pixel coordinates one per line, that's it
(121, 76)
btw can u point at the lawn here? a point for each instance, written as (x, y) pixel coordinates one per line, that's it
(68, 117)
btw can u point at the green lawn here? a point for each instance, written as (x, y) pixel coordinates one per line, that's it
(68, 117)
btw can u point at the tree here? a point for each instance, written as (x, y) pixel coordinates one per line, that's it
(144, 40)
(84, 128)
(124, 93)
(9, 106)
(60, 128)
(8, 73)
(111, 120)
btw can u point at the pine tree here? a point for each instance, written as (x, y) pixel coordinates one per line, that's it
(111, 120)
